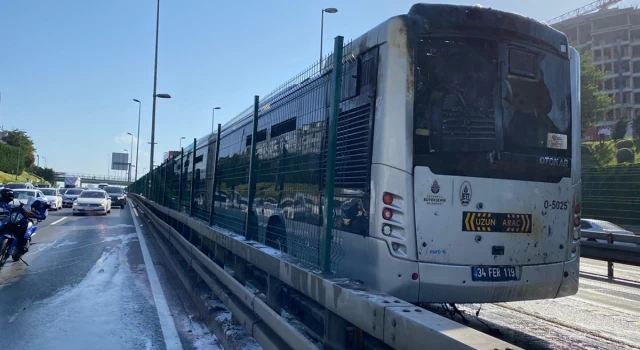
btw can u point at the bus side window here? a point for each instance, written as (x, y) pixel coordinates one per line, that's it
(350, 79)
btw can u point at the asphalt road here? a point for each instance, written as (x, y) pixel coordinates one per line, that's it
(604, 314)
(87, 287)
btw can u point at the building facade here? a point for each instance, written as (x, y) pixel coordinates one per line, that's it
(613, 38)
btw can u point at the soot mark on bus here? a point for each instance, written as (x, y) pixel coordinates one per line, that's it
(494, 94)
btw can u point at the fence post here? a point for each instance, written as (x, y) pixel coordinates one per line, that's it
(609, 262)
(332, 142)
(193, 176)
(248, 228)
(164, 182)
(180, 178)
(215, 172)
(155, 184)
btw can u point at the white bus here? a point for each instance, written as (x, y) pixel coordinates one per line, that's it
(458, 172)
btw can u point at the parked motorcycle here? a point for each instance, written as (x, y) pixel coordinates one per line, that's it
(20, 225)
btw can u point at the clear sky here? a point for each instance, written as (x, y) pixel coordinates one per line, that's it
(69, 69)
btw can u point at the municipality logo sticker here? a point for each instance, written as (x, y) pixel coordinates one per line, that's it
(435, 188)
(465, 193)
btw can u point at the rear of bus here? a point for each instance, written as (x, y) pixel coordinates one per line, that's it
(495, 199)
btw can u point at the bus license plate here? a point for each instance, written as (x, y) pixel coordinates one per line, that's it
(493, 273)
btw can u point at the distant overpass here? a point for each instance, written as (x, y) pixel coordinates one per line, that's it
(95, 179)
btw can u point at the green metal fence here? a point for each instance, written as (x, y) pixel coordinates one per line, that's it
(265, 174)
(612, 194)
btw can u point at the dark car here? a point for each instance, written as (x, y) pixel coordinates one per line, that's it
(118, 197)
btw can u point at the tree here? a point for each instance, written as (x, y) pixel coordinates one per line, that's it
(620, 129)
(590, 80)
(20, 139)
(46, 173)
(636, 127)
(29, 160)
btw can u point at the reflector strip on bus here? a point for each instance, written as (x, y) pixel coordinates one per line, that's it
(496, 222)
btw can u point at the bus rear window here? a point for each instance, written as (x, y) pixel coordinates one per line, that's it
(485, 108)
(456, 83)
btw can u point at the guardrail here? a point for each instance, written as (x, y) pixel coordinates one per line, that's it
(339, 303)
(609, 251)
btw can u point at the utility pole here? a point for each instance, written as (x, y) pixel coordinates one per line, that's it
(18, 161)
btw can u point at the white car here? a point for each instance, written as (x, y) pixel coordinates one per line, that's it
(22, 195)
(19, 185)
(602, 226)
(70, 195)
(54, 197)
(92, 201)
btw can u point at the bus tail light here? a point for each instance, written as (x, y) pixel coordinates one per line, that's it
(576, 221)
(387, 214)
(577, 209)
(387, 198)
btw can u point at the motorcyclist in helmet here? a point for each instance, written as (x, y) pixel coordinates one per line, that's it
(6, 195)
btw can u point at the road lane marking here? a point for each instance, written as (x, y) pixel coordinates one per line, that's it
(57, 221)
(169, 331)
(135, 211)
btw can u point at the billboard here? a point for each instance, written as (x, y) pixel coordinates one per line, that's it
(170, 154)
(119, 161)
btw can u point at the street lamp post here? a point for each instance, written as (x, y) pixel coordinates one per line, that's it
(129, 176)
(129, 168)
(182, 138)
(327, 10)
(138, 137)
(155, 94)
(213, 114)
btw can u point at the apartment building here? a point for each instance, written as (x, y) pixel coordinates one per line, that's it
(613, 38)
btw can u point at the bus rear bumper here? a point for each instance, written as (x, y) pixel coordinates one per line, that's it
(453, 284)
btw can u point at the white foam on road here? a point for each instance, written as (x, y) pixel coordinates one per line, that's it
(125, 238)
(104, 311)
(169, 331)
(200, 335)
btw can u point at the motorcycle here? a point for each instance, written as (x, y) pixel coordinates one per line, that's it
(21, 218)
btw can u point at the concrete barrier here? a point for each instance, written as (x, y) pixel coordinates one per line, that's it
(396, 323)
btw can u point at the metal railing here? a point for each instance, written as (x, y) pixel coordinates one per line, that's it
(268, 174)
(348, 312)
(612, 248)
(94, 177)
(612, 194)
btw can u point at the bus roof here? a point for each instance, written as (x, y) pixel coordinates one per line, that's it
(478, 19)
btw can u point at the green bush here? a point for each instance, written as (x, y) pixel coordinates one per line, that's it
(619, 129)
(624, 155)
(625, 144)
(8, 159)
